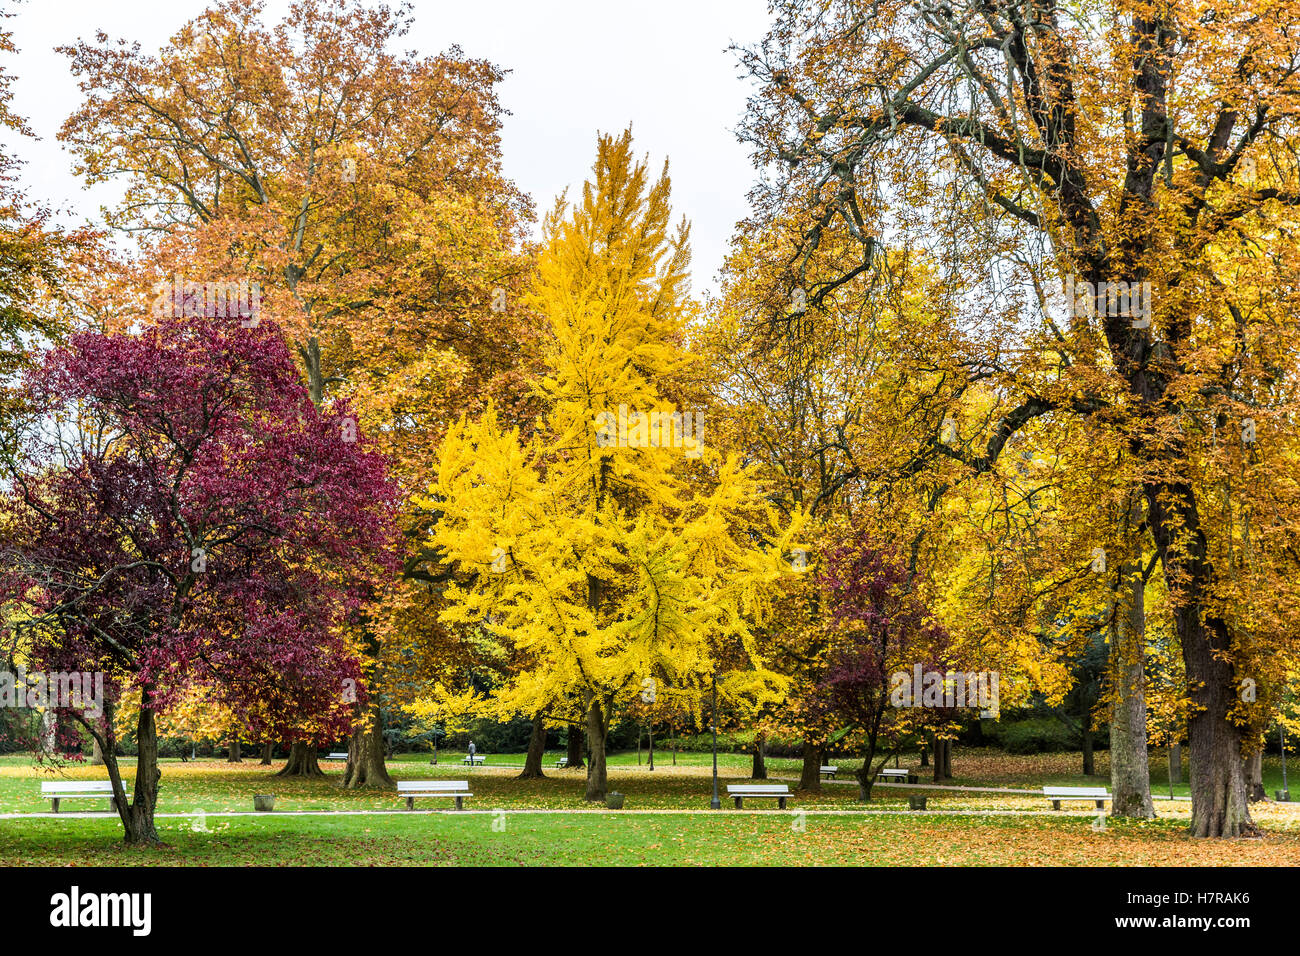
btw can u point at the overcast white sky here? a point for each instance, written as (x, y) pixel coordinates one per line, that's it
(578, 66)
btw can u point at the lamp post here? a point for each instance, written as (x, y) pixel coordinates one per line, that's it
(715, 803)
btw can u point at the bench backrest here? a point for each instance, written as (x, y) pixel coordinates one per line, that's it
(78, 786)
(759, 788)
(830, 768)
(893, 772)
(1075, 792)
(430, 786)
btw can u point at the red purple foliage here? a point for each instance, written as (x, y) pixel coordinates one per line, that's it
(180, 513)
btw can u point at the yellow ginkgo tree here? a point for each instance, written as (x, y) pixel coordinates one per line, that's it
(613, 549)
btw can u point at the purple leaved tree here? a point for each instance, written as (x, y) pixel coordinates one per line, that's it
(176, 513)
(876, 626)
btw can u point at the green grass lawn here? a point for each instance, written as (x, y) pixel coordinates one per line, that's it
(758, 835)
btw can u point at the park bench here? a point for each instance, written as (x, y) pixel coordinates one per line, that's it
(458, 790)
(897, 774)
(79, 790)
(474, 760)
(336, 755)
(1057, 794)
(562, 762)
(778, 792)
(830, 772)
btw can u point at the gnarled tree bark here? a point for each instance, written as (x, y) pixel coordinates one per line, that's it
(366, 768)
(302, 761)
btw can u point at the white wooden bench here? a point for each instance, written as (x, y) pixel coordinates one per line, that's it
(336, 755)
(1096, 794)
(474, 760)
(562, 762)
(897, 774)
(830, 772)
(458, 790)
(80, 790)
(778, 792)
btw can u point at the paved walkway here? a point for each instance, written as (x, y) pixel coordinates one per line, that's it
(880, 783)
(105, 815)
(947, 786)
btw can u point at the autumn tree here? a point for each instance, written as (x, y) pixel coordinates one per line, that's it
(361, 189)
(34, 255)
(182, 514)
(1123, 158)
(613, 545)
(877, 628)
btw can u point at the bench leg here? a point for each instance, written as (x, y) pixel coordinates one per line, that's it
(739, 802)
(459, 805)
(55, 801)
(1056, 804)
(781, 802)
(1101, 804)
(410, 803)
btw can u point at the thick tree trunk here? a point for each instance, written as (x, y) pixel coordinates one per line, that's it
(942, 759)
(1089, 764)
(925, 756)
(759, 771)
(302, 762)
(366, 768)
(573, 746)
(268, 749)
(138, 816)
(96, 753)
(1219, 804)
(596, 774)
(1220, 807)
(811, 776)
(536, 750)
(1175, 763)
(234, 753)
(1130, 776)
